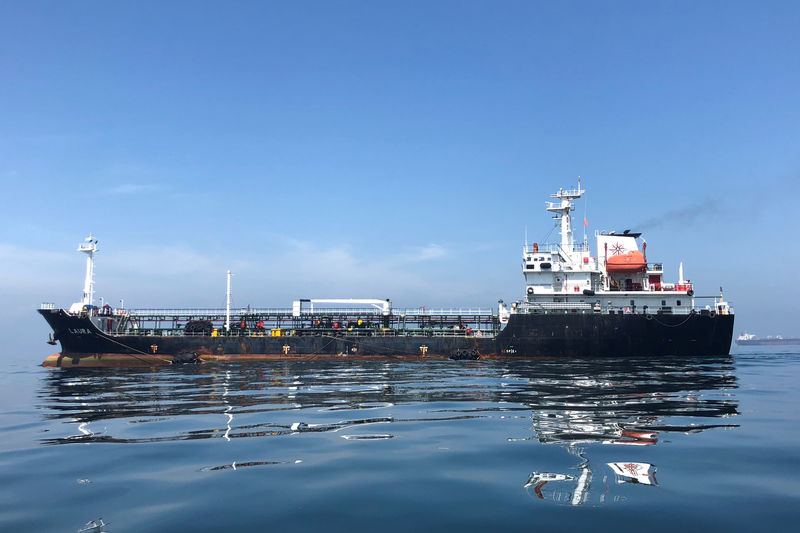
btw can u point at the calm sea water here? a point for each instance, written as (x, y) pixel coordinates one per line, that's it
(671, 445)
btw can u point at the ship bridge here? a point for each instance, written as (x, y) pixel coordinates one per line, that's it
(566, 276)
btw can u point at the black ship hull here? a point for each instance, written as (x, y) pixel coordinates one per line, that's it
(525, 336)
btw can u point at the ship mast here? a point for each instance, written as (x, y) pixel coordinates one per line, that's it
(228, 304)
(89, 247)
(562, 213)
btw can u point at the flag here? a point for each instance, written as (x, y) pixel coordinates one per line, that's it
(585, 223)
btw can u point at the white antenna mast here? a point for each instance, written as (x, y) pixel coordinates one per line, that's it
(584, 214)
(562, 211)
(228, 304)
(89, 247)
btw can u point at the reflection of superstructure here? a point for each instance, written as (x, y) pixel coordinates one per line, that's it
(628, 472)
(537, 480)
(577, 303)
(570, 489)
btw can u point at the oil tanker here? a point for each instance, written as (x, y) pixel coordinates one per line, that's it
(576, 303)
(748, 339)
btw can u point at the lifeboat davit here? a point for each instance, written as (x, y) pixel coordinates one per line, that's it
(626, 263)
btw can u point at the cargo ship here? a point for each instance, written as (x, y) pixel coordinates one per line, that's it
(576, 303)
(748, 339)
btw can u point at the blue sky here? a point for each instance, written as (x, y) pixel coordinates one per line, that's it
(376, 149)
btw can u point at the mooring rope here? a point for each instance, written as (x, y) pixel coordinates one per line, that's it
(399, 351)
(167, 361)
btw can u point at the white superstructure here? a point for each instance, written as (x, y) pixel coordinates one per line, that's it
(567, 277)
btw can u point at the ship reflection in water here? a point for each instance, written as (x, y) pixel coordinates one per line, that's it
(588, 407)
(625, 403)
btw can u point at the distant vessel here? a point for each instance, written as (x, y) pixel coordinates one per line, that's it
(748, 339)
(612, 303)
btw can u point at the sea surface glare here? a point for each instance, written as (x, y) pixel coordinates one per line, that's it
(701, 444)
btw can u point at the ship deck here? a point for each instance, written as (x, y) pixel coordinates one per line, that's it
(353, 322)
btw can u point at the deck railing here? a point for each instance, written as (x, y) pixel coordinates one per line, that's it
(325, 332)
(605, 308)
(555, 248)
(371, 311)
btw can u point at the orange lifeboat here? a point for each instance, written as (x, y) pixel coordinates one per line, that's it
(626, 263)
